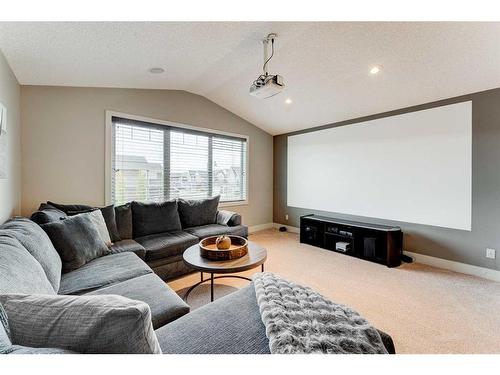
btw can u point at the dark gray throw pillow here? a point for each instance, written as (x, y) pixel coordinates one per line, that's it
(152, 218)
(194, 213)
(123, 218)
(74, 208)
(73, 213)
(77, 241)
(108, 213)
(47, 213)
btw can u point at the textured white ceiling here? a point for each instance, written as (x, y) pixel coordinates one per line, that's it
(325, 65)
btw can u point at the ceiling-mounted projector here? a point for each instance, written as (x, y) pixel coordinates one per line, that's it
(267, 88)
(267, 85)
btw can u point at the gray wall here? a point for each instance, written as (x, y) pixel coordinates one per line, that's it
(10, 188)
(461, 246)
(63, 144)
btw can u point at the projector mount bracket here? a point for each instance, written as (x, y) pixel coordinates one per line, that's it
(263, 78)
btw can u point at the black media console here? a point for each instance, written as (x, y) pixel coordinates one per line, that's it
(376, 243)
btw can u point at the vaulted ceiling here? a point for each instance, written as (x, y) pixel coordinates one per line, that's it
(325, 65)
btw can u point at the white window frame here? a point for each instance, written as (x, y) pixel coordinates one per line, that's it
(110, 151)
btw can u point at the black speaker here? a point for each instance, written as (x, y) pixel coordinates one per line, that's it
(369, 247)
(309, 235)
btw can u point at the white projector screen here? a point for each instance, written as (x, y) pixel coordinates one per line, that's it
(414, 167)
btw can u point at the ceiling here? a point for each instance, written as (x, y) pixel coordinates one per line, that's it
(325, 64)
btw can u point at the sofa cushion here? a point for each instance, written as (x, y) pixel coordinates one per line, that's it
(102, 272)
(6, 346)
(83, 324)
(71, 208)
(20, 272)
(230, 325)
(216, 229)
(130, 246)
(170, 268)
(152, 218)
(38, 244)
(164, 303)
(47, 214)
(165, 245)
(73, 213)
(77, 240)
(108, 213)
(123, 218)
(5, 343)
(194, 213)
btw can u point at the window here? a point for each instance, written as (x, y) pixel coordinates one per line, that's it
(152, 162)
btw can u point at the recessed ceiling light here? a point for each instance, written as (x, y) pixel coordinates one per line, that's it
(288, 101)
(156, 70)
(375, 69)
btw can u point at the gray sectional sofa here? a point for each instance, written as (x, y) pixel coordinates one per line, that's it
(116, 303)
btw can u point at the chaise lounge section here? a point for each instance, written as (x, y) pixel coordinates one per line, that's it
(22, 243)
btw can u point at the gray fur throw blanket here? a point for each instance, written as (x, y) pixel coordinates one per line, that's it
(299, 320)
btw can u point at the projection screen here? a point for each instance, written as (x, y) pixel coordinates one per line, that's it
(414, 167)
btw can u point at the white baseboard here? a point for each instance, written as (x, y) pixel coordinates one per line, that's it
(259, 227)
(450, 265)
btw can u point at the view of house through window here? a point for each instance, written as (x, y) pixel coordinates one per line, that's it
(156, 163)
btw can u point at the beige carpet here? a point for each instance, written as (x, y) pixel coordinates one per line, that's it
(424, 309)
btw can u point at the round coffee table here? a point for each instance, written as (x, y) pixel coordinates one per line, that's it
(256, 256)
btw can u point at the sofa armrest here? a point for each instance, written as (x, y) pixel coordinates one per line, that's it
(229, 218)
(82, 324)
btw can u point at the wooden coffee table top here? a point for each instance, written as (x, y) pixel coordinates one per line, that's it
(256, 256)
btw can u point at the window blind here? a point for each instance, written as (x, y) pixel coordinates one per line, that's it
(153, 162)
(189, 172)
(229, 169)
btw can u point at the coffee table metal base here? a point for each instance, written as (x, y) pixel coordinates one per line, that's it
(212, 278)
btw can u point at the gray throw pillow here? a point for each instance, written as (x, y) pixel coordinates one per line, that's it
(77, 241)
(83, 324)
(152, 218)
(123, 218)
(108, 213)
(100, 224)
(38, 244)
(194, 213)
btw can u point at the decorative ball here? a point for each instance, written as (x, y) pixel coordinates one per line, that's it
(223, 242)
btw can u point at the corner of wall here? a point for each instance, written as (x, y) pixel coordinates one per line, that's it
(10, 187)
